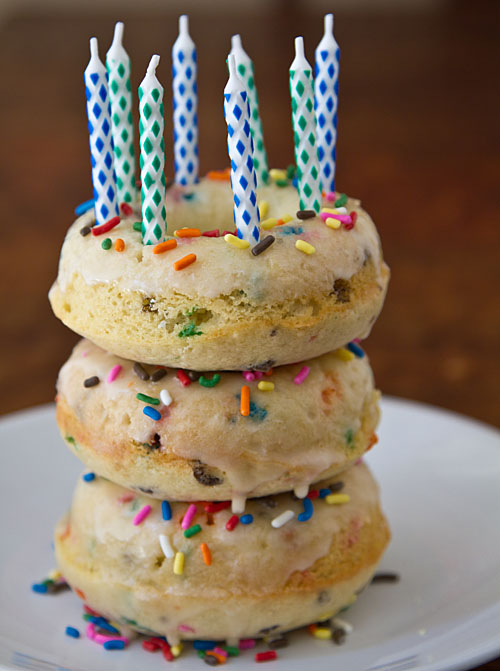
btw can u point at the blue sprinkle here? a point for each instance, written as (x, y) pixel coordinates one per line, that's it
(323, 493)
(102, 623)
(71, 631)
(166, 511)
(246, 519)
(308, 510)
(39, 588)
(257, 413)
(84, 207)
(114, 645)
(151, 412)
(295, 182)
(188, 196)
(204, 645)
(88, 477)
(356, 349)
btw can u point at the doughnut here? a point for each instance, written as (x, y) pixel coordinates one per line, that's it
(315, 419)
(263, 575)
(229, 309)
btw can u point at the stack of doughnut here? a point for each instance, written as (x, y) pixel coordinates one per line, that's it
(222, 410)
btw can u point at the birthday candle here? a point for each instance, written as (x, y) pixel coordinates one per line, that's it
(122, 127)
(101, 144)
(245, 69)
(185, 101)
(152, 156)
(326, 93)
(240, 149)
(304, 131)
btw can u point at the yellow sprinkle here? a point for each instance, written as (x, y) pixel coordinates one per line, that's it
(305, 247)
(179, 560)
(55, 574)
(344, 354)
(333, 223)
(263, 208)
(236, 242)
(265, 386)
(330, 210)
(267, 224)
(276, 174)
(337, 498)
(286, 218)
(176, 649)
(323, 633)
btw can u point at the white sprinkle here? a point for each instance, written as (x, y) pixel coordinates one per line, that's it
(282, 519)
(301, 491)
(342, 624)
(238, 504)
(165, 397)
(166, 546)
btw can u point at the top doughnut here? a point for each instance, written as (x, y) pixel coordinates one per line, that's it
(230, 309)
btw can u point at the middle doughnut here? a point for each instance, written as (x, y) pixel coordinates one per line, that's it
(319, 418)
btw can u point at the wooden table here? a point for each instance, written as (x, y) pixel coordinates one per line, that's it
(419, 142)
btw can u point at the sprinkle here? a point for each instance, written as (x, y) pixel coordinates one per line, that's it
(281, 182)
(335, 210)
(119, 245)
(247, 644)
(140, 371)
(220, 175)
(207, 555)
(55, 574)
(302, 375)
(282, 519)
(108, 226)
(232, 522)
(141, 515)
(266, 656)
(88, 477)
(209, 383)
(71, 631)
(232, 650)
(220, 651)
(313, 494)
(356, 350)
(246, 519)
(137, 226)
(263, 245)
(40, 588)
(290, 171)
(275, 174)
(114, 372)
(102, 623)
(152, 413)
(209, 660)
(185, 261)
(91, 381)
(166, 511)
(126, 498)
(167, 652)
(216, 507)
(387, 576)
(248, 375)
(189, 516)
(308, 510)
(337, 498)
(301, 491)
(84, 207)
(164, 246)
(220, 659)
(267, 224)
(263, 208)
(165, 397)
(344, 354)
(204, 645)
(341, 218)
(322, 633)
(245, 400)
(236, 242)
(126, 209)
(166, 546)
(114, 645)
(193, 375)
(158, 375)
(179, 563)
(336, 486)
(183, 378)
(342, 624)
(147, 399)
(85, 230)
(305, 247)
(106, 244)
(354, 218)
(150, 646)
(265, 386)
(305, 214)
(330, 196)
(192, 531)
(187, 233)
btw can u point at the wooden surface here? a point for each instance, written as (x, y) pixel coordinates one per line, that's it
(419, 142)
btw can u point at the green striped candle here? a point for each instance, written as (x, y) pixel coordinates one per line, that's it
(304, 130)
(122, 127)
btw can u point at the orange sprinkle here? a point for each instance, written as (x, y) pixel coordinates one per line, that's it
(268, 372)
(220, 175)
(207, 555)
(373, 441)
(220, 658)
(185, 261)
(311, 628)
(119, 245)
(188, 233)
(164, 246)
(280, 222)
(245, 400)
(79, 593)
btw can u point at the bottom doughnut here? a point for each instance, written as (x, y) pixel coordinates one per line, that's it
(258, 579)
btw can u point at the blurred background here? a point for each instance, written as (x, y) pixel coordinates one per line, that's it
(419, 143)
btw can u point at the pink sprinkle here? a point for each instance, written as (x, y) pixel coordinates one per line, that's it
(358, 461)
(84, 354)
(301, 375)
(344, 218)
(258, 374)
(246, 643)
(186, 627)
(357, 340)
(248, 375)
(141, 515)
(188, 517)
(114, 372)
(331, 196)
(220, 651)
(126, 498)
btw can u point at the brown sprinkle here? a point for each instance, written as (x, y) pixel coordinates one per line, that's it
(306, 214)
(140, 371)
(85, 230)
(91, 381)
(158, 375)
(388, 576)
(263, 245)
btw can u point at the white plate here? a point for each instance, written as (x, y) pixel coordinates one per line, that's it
(440, 479)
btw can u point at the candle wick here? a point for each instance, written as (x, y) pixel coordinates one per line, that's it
(328, 24)
(153, 64)
(118, 35)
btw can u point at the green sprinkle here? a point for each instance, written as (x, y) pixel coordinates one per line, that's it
(209, 383)
(137, 226)
(192, 531)
(189, 330)
(290, 171)
(231, 651)
(349, 436)
(87, 617)
(341, 200)
(148, 399)
(106, 244)
(70, 439)
(281, 182)
(201, 653)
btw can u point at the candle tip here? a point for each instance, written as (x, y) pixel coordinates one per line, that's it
(236, 42)
(184, 24)
(118, 34)
(328, 24)
(94, 48)
(299, 47)
(153, 64)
